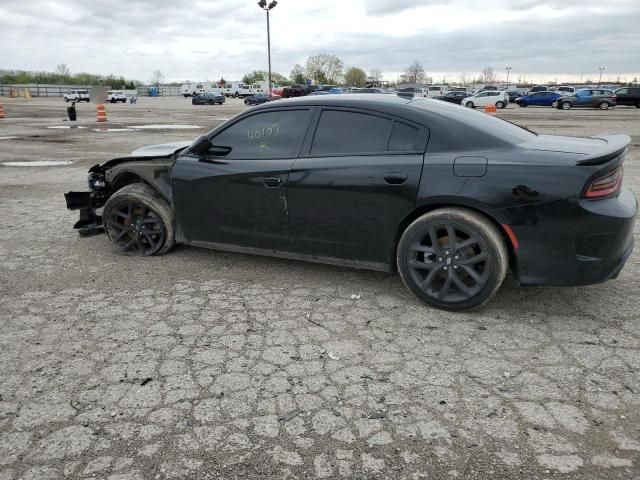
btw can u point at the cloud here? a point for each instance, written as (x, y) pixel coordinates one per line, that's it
(208, 39)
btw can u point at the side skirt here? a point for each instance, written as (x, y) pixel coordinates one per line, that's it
(377, 266)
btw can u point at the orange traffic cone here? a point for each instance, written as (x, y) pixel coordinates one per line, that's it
(102, 113)
(490, 109)
(2, 111)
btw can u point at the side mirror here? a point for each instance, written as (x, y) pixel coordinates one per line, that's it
(200, 146)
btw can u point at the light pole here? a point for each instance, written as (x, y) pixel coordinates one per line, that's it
(263, 5)
(508, 69)
(600, 78)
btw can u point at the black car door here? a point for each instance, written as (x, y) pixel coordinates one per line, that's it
(240, 198)
(356, 179)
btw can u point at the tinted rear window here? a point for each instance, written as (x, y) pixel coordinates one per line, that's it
(341, 132)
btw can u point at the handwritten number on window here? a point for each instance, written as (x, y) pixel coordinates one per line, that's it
(271, 130)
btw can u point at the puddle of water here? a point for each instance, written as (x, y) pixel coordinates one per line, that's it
(101, 130)
(37, 163)
(67, 126)
(164, 127)
(8, 138)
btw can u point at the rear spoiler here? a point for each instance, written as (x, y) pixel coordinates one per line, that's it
(616, 145)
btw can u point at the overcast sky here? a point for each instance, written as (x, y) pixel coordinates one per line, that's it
(197, 40)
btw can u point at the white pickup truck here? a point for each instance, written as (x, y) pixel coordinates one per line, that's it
(77, 96)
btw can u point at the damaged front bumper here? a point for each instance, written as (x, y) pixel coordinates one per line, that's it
(90, 223)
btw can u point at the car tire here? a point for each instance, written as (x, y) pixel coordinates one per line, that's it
(522, 104)
(210, 102)
(469, 105)
(478, 244)
(554, 104)
(604, 106)
(500, 105)
(566, 105)
(128, 215)
(236, 95)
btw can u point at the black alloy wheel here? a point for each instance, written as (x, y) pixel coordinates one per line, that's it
(139, 221)
(453, 259)
(135, 229)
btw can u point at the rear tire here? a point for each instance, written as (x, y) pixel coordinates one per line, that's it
(603, 106)
(139, 221)
(566, 105)
(457, 274)
(500, 105)
(469, 105)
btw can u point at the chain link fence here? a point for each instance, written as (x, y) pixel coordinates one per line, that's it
(42, 90)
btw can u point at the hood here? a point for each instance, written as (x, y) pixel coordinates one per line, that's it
(159, 150)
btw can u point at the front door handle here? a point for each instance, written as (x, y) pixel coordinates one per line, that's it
(272, 182)
(395, 178)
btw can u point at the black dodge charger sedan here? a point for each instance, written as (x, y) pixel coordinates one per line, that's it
(449, 197)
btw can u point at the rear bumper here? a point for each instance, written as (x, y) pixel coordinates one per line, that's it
(575, 241)
(90, 223)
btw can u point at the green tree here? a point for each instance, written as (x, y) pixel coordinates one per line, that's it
(297, 75)
(324, 68)
(355, 77)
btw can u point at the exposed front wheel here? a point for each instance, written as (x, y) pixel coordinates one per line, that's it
(469, 104)
(139, 221)
(500, 105)
(566, 105)
(604, 106)
(452, 258)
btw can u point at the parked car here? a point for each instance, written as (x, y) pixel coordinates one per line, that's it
(260, 98)
(415, 91)
(77, 96)
(590, 98)
(540, 98)
(487, 97)
(454, 97)
(539, 88)
(208, 98)
(564, 88)
(513, 94)
(628, 96)
(551, 207)
(114, 96)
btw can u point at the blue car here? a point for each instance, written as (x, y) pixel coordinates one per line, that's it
(542, 99)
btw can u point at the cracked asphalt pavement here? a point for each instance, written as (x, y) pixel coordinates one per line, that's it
(211, 365)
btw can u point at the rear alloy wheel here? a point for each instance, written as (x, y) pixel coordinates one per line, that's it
(566, 105)
(452, 258)
(604, 106)
(139, 221)
(469, 105)
(500, 105)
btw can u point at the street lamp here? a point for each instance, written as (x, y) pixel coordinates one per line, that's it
(600, 78)
(263, 5)
(508, 69)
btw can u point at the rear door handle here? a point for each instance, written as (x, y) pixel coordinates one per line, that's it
(272, 182)
(395, 178)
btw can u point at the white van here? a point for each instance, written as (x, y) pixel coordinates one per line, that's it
(192, 89)
(436, 90)
(237, 89)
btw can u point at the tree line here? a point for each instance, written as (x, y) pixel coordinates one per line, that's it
(63, 76)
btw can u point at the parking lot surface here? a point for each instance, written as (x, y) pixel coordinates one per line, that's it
(210, 365)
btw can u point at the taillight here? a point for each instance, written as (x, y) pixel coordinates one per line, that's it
(606, 186)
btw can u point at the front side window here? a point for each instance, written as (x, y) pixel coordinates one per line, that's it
(340, 132)
(622, 91)
(268, 134)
